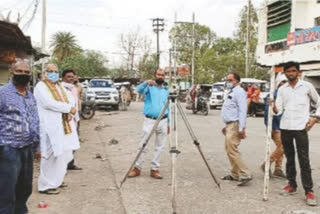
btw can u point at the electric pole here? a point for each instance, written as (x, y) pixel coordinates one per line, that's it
(158, 26)
(248, 38)
(193, 47)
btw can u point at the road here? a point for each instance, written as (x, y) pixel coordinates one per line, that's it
(95, 189)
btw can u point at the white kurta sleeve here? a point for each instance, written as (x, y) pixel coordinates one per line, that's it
(45, 99)
(279, 102)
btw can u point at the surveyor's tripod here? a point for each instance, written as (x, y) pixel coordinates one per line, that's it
(175, 105)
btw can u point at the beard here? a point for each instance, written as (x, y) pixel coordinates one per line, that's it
(159, 81)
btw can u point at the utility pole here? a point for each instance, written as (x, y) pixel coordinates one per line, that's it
(158, 26)
(193, 47)
(248, 38)
(43, 32)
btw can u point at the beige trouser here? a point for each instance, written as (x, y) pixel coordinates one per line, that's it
(277, 154)
(238, 168)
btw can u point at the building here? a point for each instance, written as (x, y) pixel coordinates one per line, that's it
(290, 31)
(14, 44)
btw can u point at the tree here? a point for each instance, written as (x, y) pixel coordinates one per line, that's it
(147, 65)
(204, 39)
(240, 37)
(64, 45)
(88, 63)
(130, 43)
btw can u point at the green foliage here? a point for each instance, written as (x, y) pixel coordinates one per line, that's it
(216, 57)
(64, 45)
(147, 65)
(87, 63)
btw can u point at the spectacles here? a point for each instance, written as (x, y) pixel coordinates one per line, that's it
(229, 80)
(19, 71)
(51, 71)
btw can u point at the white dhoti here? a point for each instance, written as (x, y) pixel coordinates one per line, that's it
(53, 171)
(56, 145)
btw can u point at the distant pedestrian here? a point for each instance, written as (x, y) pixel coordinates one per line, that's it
(234, 115)
(19, 140)
(156, 95)
(293, 102)
(255, 97)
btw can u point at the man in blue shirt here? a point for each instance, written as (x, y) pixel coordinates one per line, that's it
(155, 97)
(234, 115)
(19, 138)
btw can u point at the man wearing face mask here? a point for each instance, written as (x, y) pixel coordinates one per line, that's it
(19, 139)
(293, 102)
(155, 97)
(234, 115)
(67, 82)
(58, 135)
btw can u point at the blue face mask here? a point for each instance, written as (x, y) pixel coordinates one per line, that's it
(229, 85)
(53, 77)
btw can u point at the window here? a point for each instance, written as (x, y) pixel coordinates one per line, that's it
(279, 20)
(317, 21)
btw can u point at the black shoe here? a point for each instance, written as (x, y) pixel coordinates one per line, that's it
(74, 167)
(244, 181)
(229, 178)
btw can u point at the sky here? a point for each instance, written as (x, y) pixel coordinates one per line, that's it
(98, 24)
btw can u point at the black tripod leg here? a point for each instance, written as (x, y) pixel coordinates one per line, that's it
(196, 142)
(147, 140)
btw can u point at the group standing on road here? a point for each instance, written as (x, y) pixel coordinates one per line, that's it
(46, 126)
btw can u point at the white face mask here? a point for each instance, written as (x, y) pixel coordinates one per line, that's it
(229, 85)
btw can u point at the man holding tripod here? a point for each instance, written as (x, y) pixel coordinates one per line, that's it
(155, 97)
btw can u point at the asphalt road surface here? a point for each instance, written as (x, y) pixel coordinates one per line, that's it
(109, 146)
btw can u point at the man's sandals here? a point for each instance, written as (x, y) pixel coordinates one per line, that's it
(242, 181)
(50, 192)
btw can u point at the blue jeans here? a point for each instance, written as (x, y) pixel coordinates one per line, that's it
(16, 169)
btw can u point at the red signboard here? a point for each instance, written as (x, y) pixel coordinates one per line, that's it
(183, 71)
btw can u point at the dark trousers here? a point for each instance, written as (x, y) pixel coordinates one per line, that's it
(253, 108)
(16, 169)
(302, 146)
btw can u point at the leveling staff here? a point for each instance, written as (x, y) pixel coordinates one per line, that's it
(155, 97)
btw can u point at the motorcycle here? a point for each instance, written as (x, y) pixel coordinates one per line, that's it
(88, 109)
(202, 106)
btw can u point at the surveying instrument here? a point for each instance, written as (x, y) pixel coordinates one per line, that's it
(175, 106)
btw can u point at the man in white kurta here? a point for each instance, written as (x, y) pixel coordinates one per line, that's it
(56, 143)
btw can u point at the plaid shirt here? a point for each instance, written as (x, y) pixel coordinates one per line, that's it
(19, 120)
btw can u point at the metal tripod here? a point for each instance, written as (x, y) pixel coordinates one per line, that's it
(172, 100)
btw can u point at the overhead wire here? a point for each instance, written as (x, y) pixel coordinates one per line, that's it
(36, 5)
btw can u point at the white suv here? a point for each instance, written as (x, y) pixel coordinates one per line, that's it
(104, 92)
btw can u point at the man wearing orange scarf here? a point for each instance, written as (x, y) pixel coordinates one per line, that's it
(58, 136)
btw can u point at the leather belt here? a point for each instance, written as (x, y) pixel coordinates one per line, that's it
(155, 118)
(231, 122)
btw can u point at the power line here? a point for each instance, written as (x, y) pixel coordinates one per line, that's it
(83, 24)
(28, 23)
(28, 8)
(13, 6)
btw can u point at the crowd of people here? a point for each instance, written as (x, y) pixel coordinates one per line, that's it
(45, 125)
(290, 123)
(42, 125)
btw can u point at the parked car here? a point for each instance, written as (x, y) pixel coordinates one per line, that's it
(217, 94)
(103, 92)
